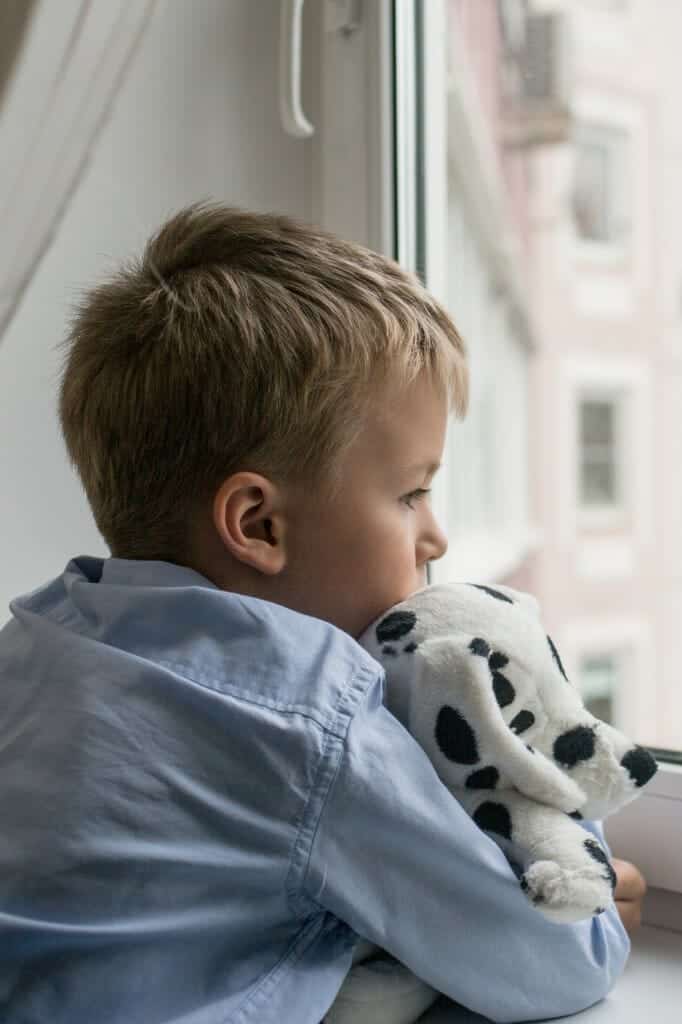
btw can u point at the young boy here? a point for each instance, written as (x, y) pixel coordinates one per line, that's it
(204, 801)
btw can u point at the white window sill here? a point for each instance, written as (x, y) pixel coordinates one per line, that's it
(649, 989)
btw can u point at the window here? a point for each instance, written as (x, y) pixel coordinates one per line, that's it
(600, 202)
(600, 483)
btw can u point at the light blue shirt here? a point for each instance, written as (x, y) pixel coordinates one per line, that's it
(203, 804)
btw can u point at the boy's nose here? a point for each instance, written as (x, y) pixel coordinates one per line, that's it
(640, 764)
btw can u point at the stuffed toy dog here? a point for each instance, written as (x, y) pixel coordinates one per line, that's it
(471, 673)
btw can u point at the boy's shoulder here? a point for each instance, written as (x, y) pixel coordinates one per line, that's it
(232, 643)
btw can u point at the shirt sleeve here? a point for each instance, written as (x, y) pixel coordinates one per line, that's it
(398, 859)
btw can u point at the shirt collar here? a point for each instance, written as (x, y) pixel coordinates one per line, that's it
(136, 572)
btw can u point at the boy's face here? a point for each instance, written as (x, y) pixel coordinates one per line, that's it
(349, 560)
(353, 559)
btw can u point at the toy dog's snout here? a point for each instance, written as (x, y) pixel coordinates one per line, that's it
(616, 775)
(640, 764)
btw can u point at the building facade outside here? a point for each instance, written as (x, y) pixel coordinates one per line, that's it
(587, 150)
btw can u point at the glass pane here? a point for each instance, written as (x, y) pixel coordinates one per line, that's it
(598, 484)
(596, 422)
(560, 143)
(591, 191)
(597, 453)
(601, 209)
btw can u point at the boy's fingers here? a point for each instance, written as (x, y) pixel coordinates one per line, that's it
(630, 914)
(631, 884)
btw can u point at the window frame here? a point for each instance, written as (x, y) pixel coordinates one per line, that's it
(352, 166)
(604, 515)
(630, 377)
(616, 140)
(606, 277)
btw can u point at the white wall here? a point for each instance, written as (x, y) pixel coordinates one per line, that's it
(197, 117)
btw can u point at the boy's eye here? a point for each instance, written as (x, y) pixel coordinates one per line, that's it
(419, 493)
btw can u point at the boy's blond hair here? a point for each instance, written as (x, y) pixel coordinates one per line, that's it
(239, 341)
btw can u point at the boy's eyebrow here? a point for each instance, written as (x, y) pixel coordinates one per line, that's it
(430, 467)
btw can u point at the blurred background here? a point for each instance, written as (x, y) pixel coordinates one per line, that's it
(523, 157)
(564, 242)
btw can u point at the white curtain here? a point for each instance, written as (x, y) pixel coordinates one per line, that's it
(73, 57)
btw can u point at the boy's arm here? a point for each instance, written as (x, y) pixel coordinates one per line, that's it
(396, 857)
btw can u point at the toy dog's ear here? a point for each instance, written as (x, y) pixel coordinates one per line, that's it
(458, 673)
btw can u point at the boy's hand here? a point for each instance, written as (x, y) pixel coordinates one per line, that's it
(630, 890)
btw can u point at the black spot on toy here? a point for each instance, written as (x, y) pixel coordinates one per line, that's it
(522, 721)
(498, 660)
(455, 737)
(492, 817)
(597, 853)
(395, 626)
(484, 778)
(503, 690)
(574, 746)
(640, 764)
(480, 647)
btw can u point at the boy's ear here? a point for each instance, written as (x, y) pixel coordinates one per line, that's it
(248, 515)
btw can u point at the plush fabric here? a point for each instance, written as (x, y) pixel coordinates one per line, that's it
(472, 674)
